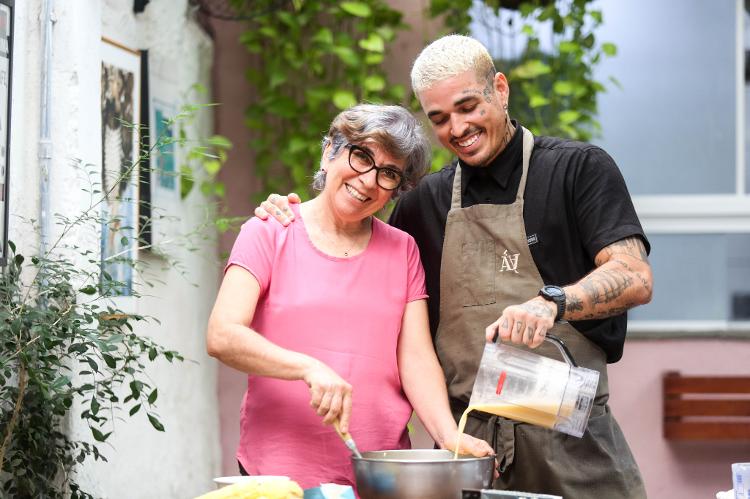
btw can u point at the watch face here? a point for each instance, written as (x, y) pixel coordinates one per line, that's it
(553, 291)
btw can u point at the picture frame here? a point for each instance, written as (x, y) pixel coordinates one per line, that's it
(120, 112)
(7, 11)
(160, 188)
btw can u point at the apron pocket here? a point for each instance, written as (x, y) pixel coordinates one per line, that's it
(477, 284)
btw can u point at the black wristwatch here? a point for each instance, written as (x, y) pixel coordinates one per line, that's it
(555, 294)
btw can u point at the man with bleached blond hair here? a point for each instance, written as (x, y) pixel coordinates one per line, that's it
(521, 237)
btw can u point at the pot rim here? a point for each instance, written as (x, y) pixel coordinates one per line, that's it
(448, 459)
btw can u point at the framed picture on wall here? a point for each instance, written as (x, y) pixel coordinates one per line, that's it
(160, 182)
(120, 108)
(6, 71)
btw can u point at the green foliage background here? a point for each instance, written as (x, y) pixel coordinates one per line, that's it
(553, 93)
(315, 58)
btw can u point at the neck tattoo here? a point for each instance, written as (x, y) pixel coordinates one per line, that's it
(509, 132)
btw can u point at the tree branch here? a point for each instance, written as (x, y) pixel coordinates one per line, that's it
(16, 411)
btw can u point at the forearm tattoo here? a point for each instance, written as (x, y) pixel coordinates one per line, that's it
(611, 312)
(632, 246)
(605, 285)
(607, 291)
(573, 302)
(644, 282)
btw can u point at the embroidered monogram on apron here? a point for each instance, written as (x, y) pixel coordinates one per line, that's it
(487, 266)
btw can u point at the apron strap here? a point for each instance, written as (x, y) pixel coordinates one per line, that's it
(528, 145)
(456, 195)
(507, 430)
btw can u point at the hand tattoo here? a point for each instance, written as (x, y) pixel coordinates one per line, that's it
(537, 309)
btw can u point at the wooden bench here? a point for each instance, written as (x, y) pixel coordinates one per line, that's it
(706, 407)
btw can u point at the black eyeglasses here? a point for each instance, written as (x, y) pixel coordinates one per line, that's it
(361, 162)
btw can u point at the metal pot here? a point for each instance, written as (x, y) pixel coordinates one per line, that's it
(420, 474)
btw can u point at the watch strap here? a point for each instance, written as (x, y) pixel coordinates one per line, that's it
(556, 295)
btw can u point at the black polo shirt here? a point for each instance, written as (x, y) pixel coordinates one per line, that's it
(576, 203)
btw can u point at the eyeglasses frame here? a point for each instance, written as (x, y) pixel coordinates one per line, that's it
(375, 167)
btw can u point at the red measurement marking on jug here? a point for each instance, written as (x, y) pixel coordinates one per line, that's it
(500, 382)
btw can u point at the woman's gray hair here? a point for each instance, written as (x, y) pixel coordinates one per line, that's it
(392, 127)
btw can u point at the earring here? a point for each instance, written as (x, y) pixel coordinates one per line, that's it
(505, 106)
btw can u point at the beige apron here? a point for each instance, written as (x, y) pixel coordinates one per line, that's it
(487, 266)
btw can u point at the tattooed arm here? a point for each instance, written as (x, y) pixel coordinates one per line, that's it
(622, 280)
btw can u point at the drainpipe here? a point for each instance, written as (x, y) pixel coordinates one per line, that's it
(45, 136)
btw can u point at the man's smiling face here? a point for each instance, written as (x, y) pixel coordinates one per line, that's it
(467, 115)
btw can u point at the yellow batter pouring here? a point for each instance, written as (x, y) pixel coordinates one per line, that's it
(540, 414)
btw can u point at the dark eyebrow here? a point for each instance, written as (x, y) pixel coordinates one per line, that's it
(464, 100)
(459, 102)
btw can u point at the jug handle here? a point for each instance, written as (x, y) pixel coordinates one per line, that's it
(560, 344)
(555, 340)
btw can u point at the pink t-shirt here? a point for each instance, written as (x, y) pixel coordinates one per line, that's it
(345, 312)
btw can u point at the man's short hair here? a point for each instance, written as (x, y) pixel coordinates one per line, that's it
(449, 56)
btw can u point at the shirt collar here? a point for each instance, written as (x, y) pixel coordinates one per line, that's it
(501, 168)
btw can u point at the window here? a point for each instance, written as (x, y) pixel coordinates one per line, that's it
(702, 283)
(673, 126)
(677, 129)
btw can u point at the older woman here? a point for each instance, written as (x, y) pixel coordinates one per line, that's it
(328, 315)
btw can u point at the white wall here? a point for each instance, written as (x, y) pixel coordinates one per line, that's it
(143, 463)
(23, 173)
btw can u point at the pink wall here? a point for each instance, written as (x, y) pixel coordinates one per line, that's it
(686, 469)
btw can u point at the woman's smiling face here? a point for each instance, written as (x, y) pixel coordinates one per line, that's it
(352, 195)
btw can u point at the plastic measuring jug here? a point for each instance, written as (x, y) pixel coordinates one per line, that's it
(525, 386)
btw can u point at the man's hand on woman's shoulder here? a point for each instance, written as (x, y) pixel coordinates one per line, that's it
(277, 207)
